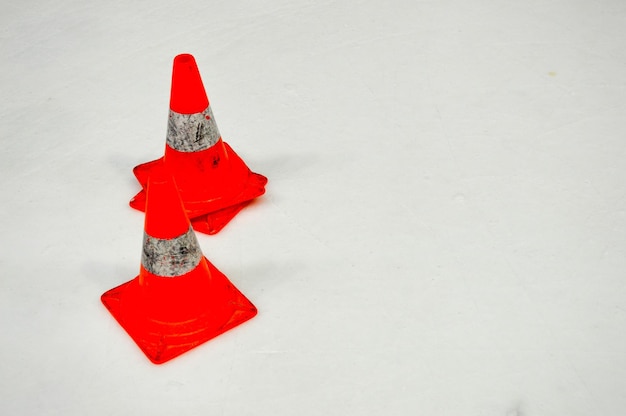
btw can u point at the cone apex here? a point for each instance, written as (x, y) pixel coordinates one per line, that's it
(165, 215)
(187, 95)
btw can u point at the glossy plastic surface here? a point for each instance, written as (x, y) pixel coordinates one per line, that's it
(167, 316)
(215, 183)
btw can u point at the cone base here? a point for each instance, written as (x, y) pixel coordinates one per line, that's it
(213, 222)
(208, 216)
(162, 338)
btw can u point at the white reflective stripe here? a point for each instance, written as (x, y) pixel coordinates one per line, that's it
(171, 258)
(192, 132)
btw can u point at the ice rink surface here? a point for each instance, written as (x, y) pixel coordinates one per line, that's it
(444, 228)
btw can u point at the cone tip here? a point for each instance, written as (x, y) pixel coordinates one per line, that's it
(184, 58)
(165, 216)
(188, 95)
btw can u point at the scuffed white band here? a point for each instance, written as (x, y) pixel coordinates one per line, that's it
(171, 258)
(192, 132)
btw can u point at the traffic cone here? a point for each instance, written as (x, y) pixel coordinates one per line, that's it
(213, 181)
(179, 299)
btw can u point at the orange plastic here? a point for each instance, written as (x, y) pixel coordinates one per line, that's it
(169, 315)
(214, 183)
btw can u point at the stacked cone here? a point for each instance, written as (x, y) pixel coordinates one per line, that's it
(179, 299)
(213, 181)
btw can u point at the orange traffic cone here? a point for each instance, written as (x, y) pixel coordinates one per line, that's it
(213, 181)
(179, 299)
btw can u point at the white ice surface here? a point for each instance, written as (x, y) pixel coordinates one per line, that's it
(444, 229)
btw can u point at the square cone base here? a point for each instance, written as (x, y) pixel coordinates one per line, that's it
(210, 216)
(163, 339)
(210, 223)
(213, 222)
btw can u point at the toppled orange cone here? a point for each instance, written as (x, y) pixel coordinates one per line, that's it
(213, 181)
(179, 299)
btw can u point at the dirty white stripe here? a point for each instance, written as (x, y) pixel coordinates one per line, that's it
(192, 132)
(171, 258)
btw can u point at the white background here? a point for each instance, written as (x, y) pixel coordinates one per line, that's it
(444, 228)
